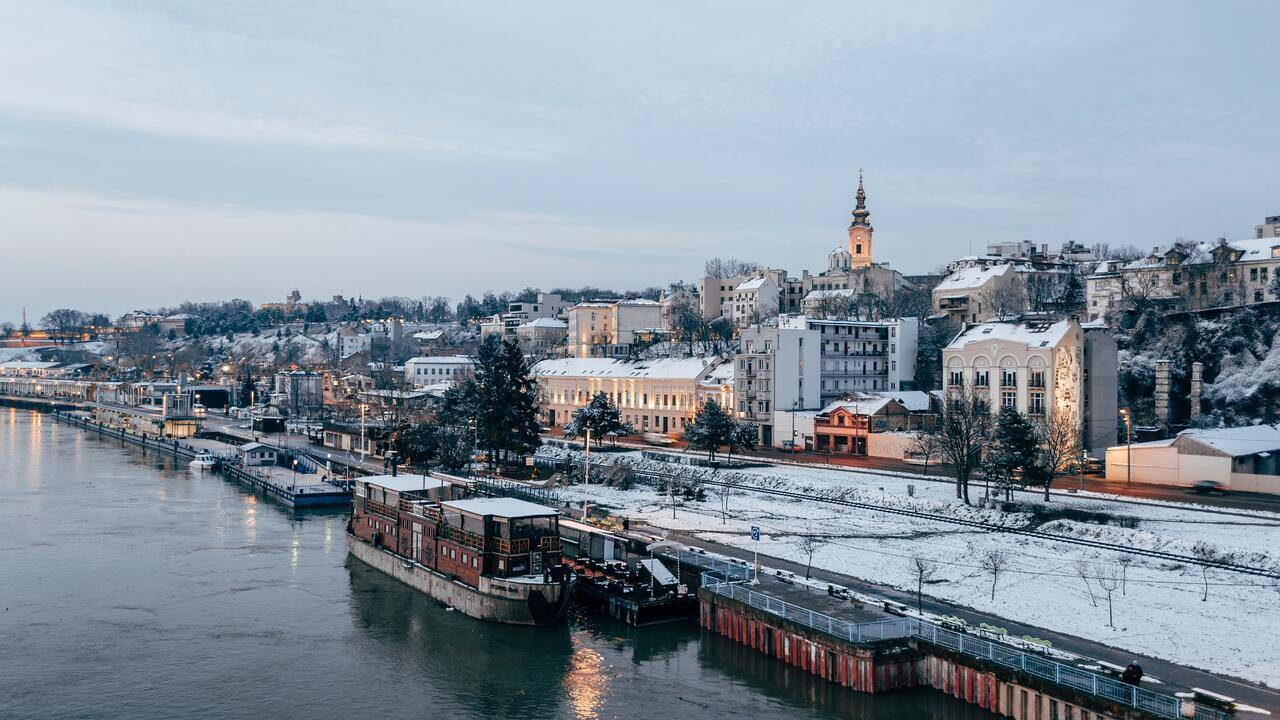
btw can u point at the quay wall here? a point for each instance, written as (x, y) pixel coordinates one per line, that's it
(900, 663)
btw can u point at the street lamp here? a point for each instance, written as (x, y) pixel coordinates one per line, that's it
(1128, 442)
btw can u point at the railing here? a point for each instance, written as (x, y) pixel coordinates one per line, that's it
(1091, 683)
(462, 537)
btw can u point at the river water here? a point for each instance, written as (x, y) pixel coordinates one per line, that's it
(132, 587)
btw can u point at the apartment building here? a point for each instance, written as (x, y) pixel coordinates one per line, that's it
(608, 328)
(861, 355)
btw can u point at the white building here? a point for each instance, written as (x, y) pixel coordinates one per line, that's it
(966, 294)
(716, 295)
(437, 369)
(653, 395)
(861, 355)
(544, 305)
(608, 328)
(1241, 459)
(752, 301)
(777, 370)
(543, 338)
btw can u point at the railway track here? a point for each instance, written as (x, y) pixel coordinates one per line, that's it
(978, 525)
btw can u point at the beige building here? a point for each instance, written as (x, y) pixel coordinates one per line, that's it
(752, 301)
(506, 324)
(1188, 276)
(608, 328)
(1036, 368)
(543, 338)
(1270, 228)
(717, 295)
(654, 396)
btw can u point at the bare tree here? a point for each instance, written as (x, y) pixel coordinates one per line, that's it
(1082, 571)
(600, 342)
(925, 445)
(994, 562)
(1059, 446)
(924, 570)
(810, 544)
(962, 434)
(1125, 561)
(1108, 577)
(1206, 554)
(723, 268)
(1003, 300)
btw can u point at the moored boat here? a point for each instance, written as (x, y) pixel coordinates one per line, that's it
(494, 559)
(204, 460)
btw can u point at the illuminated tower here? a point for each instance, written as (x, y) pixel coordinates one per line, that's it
(860, 230)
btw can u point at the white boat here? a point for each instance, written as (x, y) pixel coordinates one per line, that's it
(204, 460)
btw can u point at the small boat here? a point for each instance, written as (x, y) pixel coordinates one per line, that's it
(204, 461)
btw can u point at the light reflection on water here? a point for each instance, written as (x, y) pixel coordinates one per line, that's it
(137, 589)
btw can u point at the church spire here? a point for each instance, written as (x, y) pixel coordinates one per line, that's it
(861, 215)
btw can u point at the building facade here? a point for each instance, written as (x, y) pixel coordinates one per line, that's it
(777, 369)
(861, 355)
(608, 328)
(654, 396)
(438, 369)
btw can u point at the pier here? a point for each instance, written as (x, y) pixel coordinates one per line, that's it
(278, 483)
(876, 646)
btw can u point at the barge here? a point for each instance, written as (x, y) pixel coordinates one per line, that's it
(495, 559)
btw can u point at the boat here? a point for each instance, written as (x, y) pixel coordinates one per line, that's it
(204, 461)
(495, 559)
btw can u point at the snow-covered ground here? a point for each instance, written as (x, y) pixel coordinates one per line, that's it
(1158, 610)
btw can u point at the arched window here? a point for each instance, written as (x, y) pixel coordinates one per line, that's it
(1008, 372)
(981, 372)
(955, 372)
(1036, 372)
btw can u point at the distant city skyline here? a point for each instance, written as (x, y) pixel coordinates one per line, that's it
(156, 153)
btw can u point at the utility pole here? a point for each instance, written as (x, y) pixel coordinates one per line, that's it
(586, 476)
(1128, 443)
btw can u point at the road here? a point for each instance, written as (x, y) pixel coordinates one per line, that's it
(1243, 691)
(1090, 482)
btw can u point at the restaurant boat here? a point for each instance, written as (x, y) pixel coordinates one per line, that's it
(494, 559)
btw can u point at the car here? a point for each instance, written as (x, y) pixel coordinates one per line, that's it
(1209, 487)
(1093, 466)
(790, 447)
(654, 438)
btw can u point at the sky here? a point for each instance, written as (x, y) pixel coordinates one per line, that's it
(152, 153)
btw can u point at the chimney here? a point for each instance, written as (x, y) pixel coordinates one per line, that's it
(1197, 387)
(1162, 393)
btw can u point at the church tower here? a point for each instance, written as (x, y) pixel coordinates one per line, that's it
(860, 230)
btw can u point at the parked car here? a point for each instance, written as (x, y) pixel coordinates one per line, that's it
(1093, 466)
(1209, 487)
(790, 446)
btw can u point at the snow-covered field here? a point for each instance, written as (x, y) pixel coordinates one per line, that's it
(1159, 609)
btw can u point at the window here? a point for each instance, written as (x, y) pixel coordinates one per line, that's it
(981, 377)
(1009, 399)
(1008, 377)
(955, 378)
(1177, 278)
(1035, 405)
(1037, 379)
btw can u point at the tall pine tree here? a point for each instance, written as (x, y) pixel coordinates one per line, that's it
(1013, 452)
(504, 398)
(600, 417)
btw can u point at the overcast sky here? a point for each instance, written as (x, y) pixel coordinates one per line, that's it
(154, 152)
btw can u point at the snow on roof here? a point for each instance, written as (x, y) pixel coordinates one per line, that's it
(912, 400)
(1237, 441)
(638, 301)
(405, 483)
(428, 335)
(248, 447)
(27, 365)
(864, 406)
(1033, 335)
(820, 294)
(441, 360)
(547, 323)
(672, 368)
(721, 374)
(501, 507)
(752, 284)
(971, 278)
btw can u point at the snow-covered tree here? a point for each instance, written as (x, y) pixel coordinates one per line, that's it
(711, 429)
(1012, 453)
(600, 417)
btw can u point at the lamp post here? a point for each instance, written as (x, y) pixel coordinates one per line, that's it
(586, 476)
(1128, 446)
(363, 452)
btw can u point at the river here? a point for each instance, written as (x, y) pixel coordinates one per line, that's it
(132, 587)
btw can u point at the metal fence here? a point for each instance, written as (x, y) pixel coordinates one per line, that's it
(1102, 686)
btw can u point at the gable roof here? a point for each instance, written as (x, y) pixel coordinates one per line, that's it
(1234, 442)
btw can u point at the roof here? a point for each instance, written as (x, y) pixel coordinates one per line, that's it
(247, 447)
(501, 507)
(428, 335)
(971, 278)
(1237, 441)
(441, 360)
(27, 365)
(674, 368)
(867, 406)
(547, 323)
(1031, 335)
(752, 284)
(405, 483)
(912, 400)
(839, 292)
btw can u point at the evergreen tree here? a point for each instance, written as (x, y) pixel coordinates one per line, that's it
(742, 436)
(505, 400)
(247, 389)
(711, 429)
(1013, 452)
(600, 417)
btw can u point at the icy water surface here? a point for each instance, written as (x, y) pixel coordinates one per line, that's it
(131, 587)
